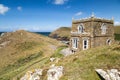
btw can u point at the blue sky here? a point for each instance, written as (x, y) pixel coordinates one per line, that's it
(48, 15)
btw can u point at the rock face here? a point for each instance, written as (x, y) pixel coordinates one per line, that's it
(55, 72)
(33, 75)
(112, 74)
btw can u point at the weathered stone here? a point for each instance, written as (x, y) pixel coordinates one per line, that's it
(55, 72)
(91, 32)
(52, 59)
(33, 75)
(112, 74)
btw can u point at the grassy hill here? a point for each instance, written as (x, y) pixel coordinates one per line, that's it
(62, 33)
(26, 51)
(21, 49)
(82, 65)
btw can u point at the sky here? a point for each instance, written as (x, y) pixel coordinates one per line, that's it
(48, 15)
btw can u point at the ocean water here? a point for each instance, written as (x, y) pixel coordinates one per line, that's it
(43, 33)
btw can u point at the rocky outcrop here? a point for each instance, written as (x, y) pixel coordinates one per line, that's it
(33, 75)
(55, 72)
(112, 74)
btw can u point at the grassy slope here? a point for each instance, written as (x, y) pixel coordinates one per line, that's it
(28, 52)
(24, 50)
(81, 66)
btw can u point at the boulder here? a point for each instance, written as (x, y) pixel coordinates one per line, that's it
(55, 72)
(112, 74)
(33, 75)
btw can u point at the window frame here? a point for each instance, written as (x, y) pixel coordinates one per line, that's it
(80, 28)
(104, 28)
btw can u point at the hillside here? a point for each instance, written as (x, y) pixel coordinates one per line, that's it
(82, 65)
(62, 33)
(27, 51)
(22, 49)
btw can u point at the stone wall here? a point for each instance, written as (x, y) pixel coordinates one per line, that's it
(92, 31)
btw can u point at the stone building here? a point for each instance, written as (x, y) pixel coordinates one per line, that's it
(91, 32)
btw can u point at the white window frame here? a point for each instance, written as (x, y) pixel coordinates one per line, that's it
(75, 42)
(103, 28)
(80, 28)
(87, 42)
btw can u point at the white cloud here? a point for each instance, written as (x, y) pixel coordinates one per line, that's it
(19, 8)
(59, 2)
(117, 23)
(3, 9)
(78, 13)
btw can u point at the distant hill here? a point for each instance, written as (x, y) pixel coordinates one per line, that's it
(62, 33)
(20, 49)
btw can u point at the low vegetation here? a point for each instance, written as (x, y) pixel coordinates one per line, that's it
(27, 51)
(82, 65)
(24, 51)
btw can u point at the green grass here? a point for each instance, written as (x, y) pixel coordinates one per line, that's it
(117, 29)
(82, 65)
(117, 37)
(11, 70)
(57, 52)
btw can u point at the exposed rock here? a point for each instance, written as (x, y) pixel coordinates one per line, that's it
(112, 74)
(33, 75)
(52, 59)
(66, 52)
(55, 72)
(3, 44)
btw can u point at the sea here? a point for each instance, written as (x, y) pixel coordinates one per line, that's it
(42, 33)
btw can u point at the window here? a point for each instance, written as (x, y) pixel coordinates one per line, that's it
(85, 44)
(75, 43)
(108, 41)
(80, 28)
(103, 28)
